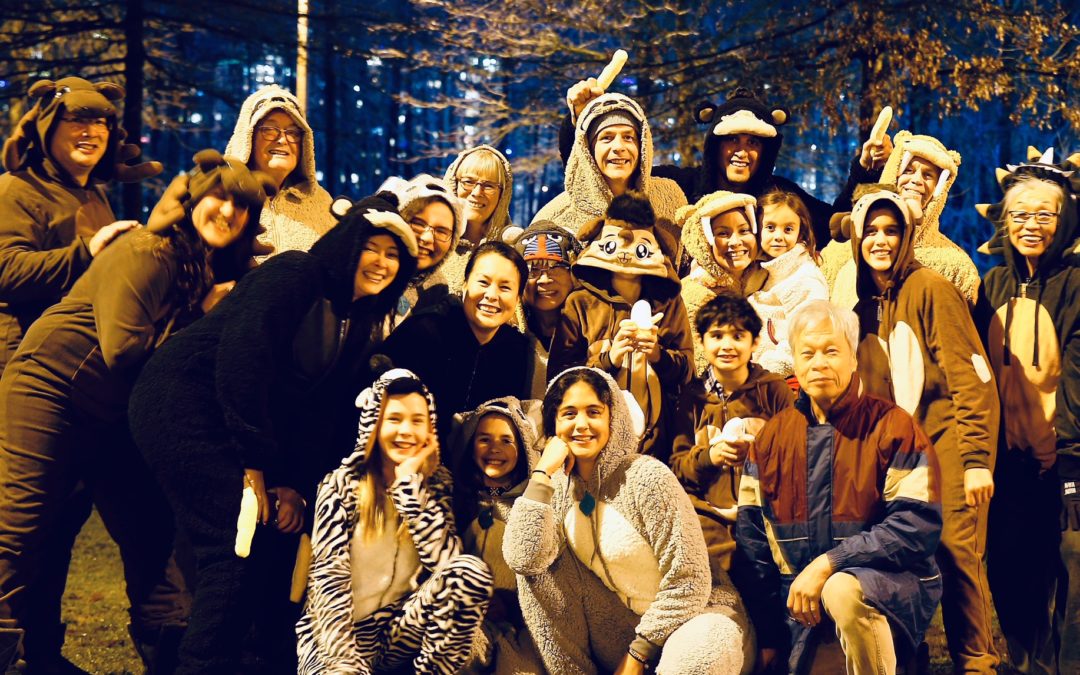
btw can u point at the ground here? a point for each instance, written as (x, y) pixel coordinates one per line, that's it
(95, 609)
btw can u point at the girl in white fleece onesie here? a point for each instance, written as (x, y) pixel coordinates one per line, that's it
(617, 570)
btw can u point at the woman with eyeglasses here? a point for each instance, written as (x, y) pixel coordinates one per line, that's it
(549, 251)
(273, 136)
(481, 176)
(1029, 312)
(437, 219)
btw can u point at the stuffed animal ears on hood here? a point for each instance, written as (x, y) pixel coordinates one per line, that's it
(381, 210)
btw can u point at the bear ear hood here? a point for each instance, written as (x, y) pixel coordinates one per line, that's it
(867, 198)
(742, 113)
(29, 140)
(1040, 166)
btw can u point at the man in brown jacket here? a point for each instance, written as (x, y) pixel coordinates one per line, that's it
(54, 218)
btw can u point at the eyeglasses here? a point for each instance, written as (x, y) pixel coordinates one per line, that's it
(552, 270)
(85, 123)
(469, 184)
(1041, 217)
(440, 234)
(272, 134)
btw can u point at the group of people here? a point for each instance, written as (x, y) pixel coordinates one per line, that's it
(690, 419)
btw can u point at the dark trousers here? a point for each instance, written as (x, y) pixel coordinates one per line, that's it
(182, 434)
(1030, 561)
(47, 446)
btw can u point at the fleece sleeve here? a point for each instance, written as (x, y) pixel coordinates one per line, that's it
(129, 301)
(532, 540)
(761, 588)
(953, 341)
(674, 533)
(256, 348)
(857, 175)
(909, 533)
(425, 507)
(329, 592)
(28, 271)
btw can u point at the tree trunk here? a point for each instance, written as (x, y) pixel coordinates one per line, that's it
(134, 60)
(330, 96)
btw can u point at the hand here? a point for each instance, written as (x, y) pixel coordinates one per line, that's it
(423, 462)
(254, 478)
(766, 658)
(630, 666)
(873, 155)
(215, 294)
(579, 95)
(556, 456)
(647, 342)
(730, 452)
(804, 598)
(290, 509)
(105, 235)
(978, 486)
(623, 342)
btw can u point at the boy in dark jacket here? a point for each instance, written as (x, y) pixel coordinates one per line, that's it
(719, 414)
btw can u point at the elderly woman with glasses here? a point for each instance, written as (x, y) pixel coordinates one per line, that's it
(273, 137)
(1029, 312)
(549, 251)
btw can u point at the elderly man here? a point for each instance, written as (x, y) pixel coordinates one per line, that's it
(839, 514)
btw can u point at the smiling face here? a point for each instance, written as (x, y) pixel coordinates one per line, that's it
(739, 156)
(433, 226)
(491, 295)
(378, 265)
(728, 349)
(918, 181)
(824, 362)
(218, 219)
(77, 144)
(403, 428)
(734, 245)
(780, 227)
(479, 186)
(583, 421)
(495, 448)
(616, 151)
(1028, 237)
(880, 246)
(549, 284)
(277, 158)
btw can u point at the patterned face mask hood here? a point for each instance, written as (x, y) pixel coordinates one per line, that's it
(371, 402)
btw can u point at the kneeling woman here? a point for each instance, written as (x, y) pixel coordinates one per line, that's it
(64, 395)
(642, 595)
(389, 583)
(259, 393)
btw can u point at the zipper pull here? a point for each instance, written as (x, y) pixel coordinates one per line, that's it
(1023, 289)
(879, 311)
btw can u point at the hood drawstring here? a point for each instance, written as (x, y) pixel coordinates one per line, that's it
(1035, 346)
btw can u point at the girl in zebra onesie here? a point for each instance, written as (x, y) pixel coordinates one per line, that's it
(415, 596)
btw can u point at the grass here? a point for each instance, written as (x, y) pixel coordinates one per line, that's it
(95, 609)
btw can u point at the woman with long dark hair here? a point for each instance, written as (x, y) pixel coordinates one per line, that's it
(64, 395)
(258, 394)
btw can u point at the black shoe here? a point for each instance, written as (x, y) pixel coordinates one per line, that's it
(158, 647)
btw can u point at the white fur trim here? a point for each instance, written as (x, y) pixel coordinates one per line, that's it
(392, 221)
(744, 122)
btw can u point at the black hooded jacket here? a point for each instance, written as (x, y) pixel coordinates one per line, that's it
(285, 354)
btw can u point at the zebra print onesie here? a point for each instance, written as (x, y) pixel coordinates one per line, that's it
(432, 626)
